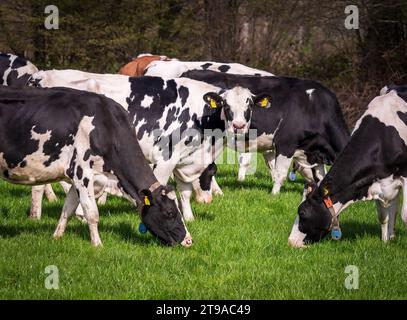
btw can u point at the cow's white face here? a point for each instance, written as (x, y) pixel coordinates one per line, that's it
(237, 111)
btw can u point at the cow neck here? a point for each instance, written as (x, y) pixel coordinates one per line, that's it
(349, 179)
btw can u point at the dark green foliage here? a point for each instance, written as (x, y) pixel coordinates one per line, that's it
(299, 38)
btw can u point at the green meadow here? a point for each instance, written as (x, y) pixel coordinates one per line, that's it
(240, 251)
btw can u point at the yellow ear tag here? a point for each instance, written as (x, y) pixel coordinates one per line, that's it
(264, 102)
(213, 104)
(325, 191)
(146, 201)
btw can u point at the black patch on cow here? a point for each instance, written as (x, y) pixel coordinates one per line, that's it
(71, 168)
(86, 182)
(161, 98)
(170, 117)
(402, 116)
(206, 66)
(23, 164)
(205, 180)
(224, 68)
(6, 174)
(79, 172)
(91, 164)
(183, 93)
(18, 63)
(87, 154)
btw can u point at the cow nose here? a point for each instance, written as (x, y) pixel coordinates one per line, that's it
(187, 242)
(238, 125)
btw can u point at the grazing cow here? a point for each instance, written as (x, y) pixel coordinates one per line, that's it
(373, 166)
(175, 68)
(50, 135)
(172, 118)
(300, 120)
(15, 71)
(137, 67)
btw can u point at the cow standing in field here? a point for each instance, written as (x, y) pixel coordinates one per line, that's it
(172, 118)
(50, 135)
(299, 120)
(373, 166)
(16, 72)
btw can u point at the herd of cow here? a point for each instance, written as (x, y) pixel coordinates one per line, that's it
(128, 134)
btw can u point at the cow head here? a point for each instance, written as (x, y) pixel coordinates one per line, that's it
(237, 104)
(314, 219)
(161, 216)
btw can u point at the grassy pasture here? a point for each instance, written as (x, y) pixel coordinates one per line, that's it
(240, 251)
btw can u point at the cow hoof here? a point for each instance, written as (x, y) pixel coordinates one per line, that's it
(392, 237)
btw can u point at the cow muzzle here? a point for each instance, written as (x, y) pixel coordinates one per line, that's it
(187, 242)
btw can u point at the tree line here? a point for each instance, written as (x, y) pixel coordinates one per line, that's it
(303, 38)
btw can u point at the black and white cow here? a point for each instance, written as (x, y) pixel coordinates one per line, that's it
(15, 71)
(50, 135)
(373, 166)
(165, 109)
(175, 68)
(298, 120)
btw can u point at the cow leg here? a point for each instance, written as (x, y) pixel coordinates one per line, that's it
(36, 201)
(270, 159)
(49, 193)
(384, 215)
(244, 163)
(70, 204)
(392, 216)
(216, 190)
(185, 190)
(201, 196)
(79, 211)
(66, 186)
(90, 209)
(282, 165)
(404, 206)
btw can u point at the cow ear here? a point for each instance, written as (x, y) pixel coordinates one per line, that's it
(146, 197)
(262, 100)
(213, 100)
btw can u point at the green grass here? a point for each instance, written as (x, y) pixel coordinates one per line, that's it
(240, 251)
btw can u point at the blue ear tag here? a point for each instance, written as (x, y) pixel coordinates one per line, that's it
(292, 176)
(336, 233)
(142, 228)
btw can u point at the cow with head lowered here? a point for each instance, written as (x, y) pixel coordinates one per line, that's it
(172, 119)
(49, 135)
(296, 119)
(372, 166)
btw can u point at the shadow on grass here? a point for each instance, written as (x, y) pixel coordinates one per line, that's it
(207, 216)
(122, 229)
(353, 229)
(260, 184)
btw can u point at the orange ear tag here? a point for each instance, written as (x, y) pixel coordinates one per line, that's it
(328, 202)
